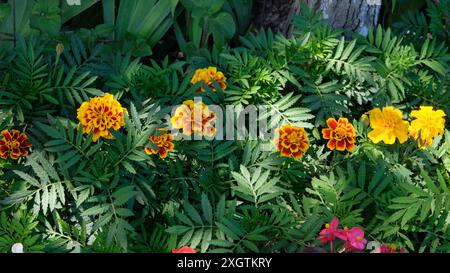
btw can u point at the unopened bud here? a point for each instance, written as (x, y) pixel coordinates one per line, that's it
(365, 120)
(59, 49)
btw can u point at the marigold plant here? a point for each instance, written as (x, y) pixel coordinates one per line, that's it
(100, 115)
(428, 123)
(14, 144)
(293, 141)
(388, 125)
(341, 134)
(194, 118)
(342, 174)
(206, 75)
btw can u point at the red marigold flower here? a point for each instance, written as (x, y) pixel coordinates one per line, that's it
(184, 249)
(341, 134)
(164, 143)
(293, 141)
(14, 144)
(328, 234)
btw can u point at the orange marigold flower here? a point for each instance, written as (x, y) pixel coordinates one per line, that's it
(341, 134)
(194, 118)
(164, 143)
(100, 115)
(14, 144)
(206, 75)
(293, 141)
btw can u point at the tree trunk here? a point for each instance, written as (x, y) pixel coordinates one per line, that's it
(353, 15)
(275, 14)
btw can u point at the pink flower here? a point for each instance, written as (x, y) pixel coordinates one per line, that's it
(355, 239)
(184, 249)
(389, 249)
(342, 233)
(328, 234)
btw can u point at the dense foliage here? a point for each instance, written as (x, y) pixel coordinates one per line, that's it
(84, 187)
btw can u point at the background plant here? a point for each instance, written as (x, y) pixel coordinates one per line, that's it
(74, 195)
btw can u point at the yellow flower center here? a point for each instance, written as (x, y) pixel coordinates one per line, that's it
(327, 225)
(359, 238)
(294, 138)
(14, 144)
(389, 124)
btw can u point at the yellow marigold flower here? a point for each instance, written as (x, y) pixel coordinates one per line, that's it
(293, 141)
(428, 123)
(100, 115)
(164, 143)
(14, 144)
(206, 75)
(341, 134)
(387, 125)
(194, 118)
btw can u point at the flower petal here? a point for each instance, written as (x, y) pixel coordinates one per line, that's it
(332, 123)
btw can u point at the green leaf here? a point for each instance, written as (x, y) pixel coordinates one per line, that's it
(123, 195)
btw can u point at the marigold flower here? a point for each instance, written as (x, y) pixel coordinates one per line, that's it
(388, 125)
(428, 123)
(14, 144)
(293, 141)
(206, 75)
(328, 234)
(100, 115)
(341, 134)
(164, 143)
(194, 118)
(184, 249)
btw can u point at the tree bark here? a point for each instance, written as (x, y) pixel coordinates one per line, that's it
(352, 15)
(275, 14)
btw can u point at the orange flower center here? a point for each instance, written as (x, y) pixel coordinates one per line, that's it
(340, 133)
(359, 238)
